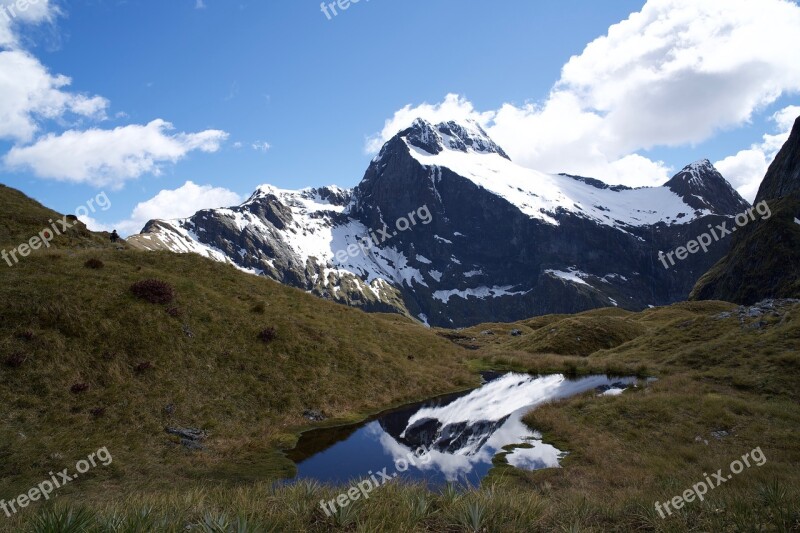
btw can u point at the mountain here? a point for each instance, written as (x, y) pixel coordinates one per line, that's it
(764, 257)
(444, 227)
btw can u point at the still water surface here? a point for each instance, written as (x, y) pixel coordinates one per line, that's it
(462, 432)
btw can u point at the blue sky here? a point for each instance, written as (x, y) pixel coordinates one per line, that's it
(310, 91)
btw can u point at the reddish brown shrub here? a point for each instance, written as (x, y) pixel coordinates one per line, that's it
(268, 335)
(174, 312)
(143, 367)
(26, 335)
(79, 388)
(95, 264)
(15, 360)
(154, 291)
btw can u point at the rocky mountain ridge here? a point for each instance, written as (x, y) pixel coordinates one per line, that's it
(500, 242)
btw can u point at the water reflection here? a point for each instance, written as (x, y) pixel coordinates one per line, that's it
(463, 433)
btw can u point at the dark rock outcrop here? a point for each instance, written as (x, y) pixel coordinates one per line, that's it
(765, 254)
(783, 177)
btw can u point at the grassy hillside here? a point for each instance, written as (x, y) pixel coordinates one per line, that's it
(763, 261)
(22, 218)
(85, 364)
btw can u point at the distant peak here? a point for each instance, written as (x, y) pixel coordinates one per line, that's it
(463, 136)
(331, 194)
(702, 164)
(468, 136)
(423, 135)
(702, 187)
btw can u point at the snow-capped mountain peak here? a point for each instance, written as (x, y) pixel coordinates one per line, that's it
(701, 186)
(498, 242)
(464, 137)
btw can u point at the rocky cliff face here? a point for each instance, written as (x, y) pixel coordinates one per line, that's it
(764, 257)
(445, 228)
(783, 177)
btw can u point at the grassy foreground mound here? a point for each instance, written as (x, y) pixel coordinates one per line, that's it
(85, 363)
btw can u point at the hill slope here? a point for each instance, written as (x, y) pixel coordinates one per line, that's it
(65, 327)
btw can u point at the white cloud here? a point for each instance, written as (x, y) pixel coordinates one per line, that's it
(182, 202)
(261, 146)
(32, 12)
(93, 224)
(746, 169)
(673, 74)
(110, 157)
(199, 4)
(32, 96)
(30, 93)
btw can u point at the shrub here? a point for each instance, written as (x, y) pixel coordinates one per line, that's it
(268, 335)
(15, 360)
(143, 367)
(259, 308)
(26, 335)
(98, 412)
(153, 291)
(174, 312)
(79, 388)
(95, 264)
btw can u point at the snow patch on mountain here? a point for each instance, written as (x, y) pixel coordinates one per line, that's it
(541, 195)
(573, 275)
(477, 292)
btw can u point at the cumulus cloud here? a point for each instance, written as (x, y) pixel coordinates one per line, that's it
(110, 157)
(746, 169)
(32, 97)
(675, 73)
(168, 204)
(32, 12)
(261, 146)
(30, 93)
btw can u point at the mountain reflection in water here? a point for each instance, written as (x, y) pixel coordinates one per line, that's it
(463, 433)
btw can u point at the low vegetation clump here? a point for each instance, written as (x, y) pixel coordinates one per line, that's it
(143, 367)
(15, 360)
(267, 335)
(94, 264)
(79, 388)
(26, 335)
(153, 291)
